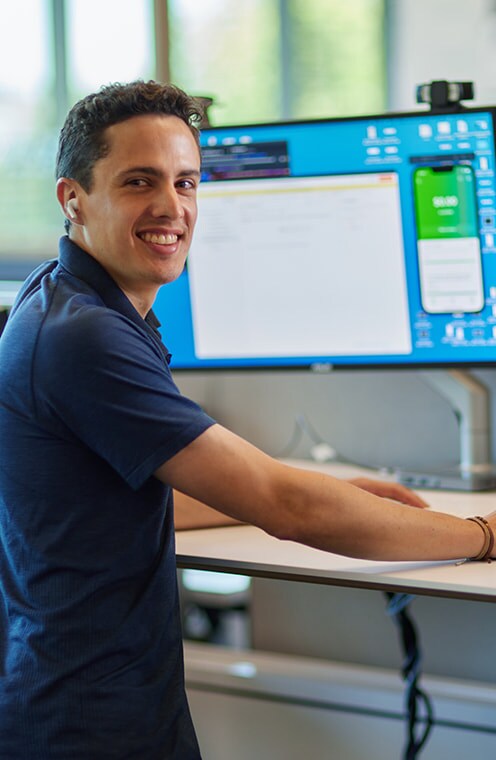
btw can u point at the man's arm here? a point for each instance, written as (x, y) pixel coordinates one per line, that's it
(237, 479)
(190, 513)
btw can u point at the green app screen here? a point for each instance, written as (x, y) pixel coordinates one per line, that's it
(445, 202)
(449, 253)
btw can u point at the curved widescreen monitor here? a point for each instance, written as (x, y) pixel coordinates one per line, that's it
(362, 242)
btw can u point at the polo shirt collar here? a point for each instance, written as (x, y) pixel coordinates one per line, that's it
(80, 264)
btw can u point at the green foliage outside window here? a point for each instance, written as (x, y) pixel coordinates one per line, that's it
(264, 60)
(261, 60)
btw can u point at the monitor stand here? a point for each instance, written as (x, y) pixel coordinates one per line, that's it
(470, 400)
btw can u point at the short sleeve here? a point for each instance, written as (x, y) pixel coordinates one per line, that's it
(102, 379)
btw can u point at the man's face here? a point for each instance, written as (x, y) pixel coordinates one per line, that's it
(138, 218)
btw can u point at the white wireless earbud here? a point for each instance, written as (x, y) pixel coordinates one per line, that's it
(72, 209)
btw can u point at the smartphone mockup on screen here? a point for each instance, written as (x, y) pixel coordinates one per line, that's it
(449, 250)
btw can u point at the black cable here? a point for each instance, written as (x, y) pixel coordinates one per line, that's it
(417, 700)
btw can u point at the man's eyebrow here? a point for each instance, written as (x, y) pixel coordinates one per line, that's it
(152, 171)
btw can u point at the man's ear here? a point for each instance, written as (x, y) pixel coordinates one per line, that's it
(68, 194)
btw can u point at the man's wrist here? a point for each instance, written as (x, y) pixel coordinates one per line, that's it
(486, 550)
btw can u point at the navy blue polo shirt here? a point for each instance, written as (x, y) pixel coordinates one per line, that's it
(90, 641)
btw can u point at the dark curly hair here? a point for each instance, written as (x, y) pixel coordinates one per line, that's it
(82, 138)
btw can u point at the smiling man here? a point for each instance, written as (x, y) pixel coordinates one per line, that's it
(90, 639)
(96, 435)
(137, 213)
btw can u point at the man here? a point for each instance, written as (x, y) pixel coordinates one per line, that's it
(95, 435)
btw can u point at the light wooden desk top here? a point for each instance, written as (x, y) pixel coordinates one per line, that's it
(250, 551)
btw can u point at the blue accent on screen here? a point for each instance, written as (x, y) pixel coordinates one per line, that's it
(358, 242)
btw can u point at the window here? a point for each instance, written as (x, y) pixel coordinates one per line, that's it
(27, 139)
(118, 48)
(261, 60)
(52, 53)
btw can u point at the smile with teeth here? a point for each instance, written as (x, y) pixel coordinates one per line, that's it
(159, 238)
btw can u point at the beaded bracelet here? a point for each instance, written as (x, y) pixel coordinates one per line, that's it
(487, 549)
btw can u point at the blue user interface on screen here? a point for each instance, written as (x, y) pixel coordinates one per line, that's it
(353, 242)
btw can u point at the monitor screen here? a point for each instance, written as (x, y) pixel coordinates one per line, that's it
(357, 242)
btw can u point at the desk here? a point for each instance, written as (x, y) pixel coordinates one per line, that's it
(250, 551)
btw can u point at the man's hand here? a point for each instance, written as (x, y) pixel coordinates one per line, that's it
(390, 490)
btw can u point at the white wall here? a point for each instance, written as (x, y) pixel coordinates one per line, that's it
(377, 418)
(441, 39)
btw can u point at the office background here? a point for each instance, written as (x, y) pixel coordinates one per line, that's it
(263, 60)
(260, 61)
(385, 419)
